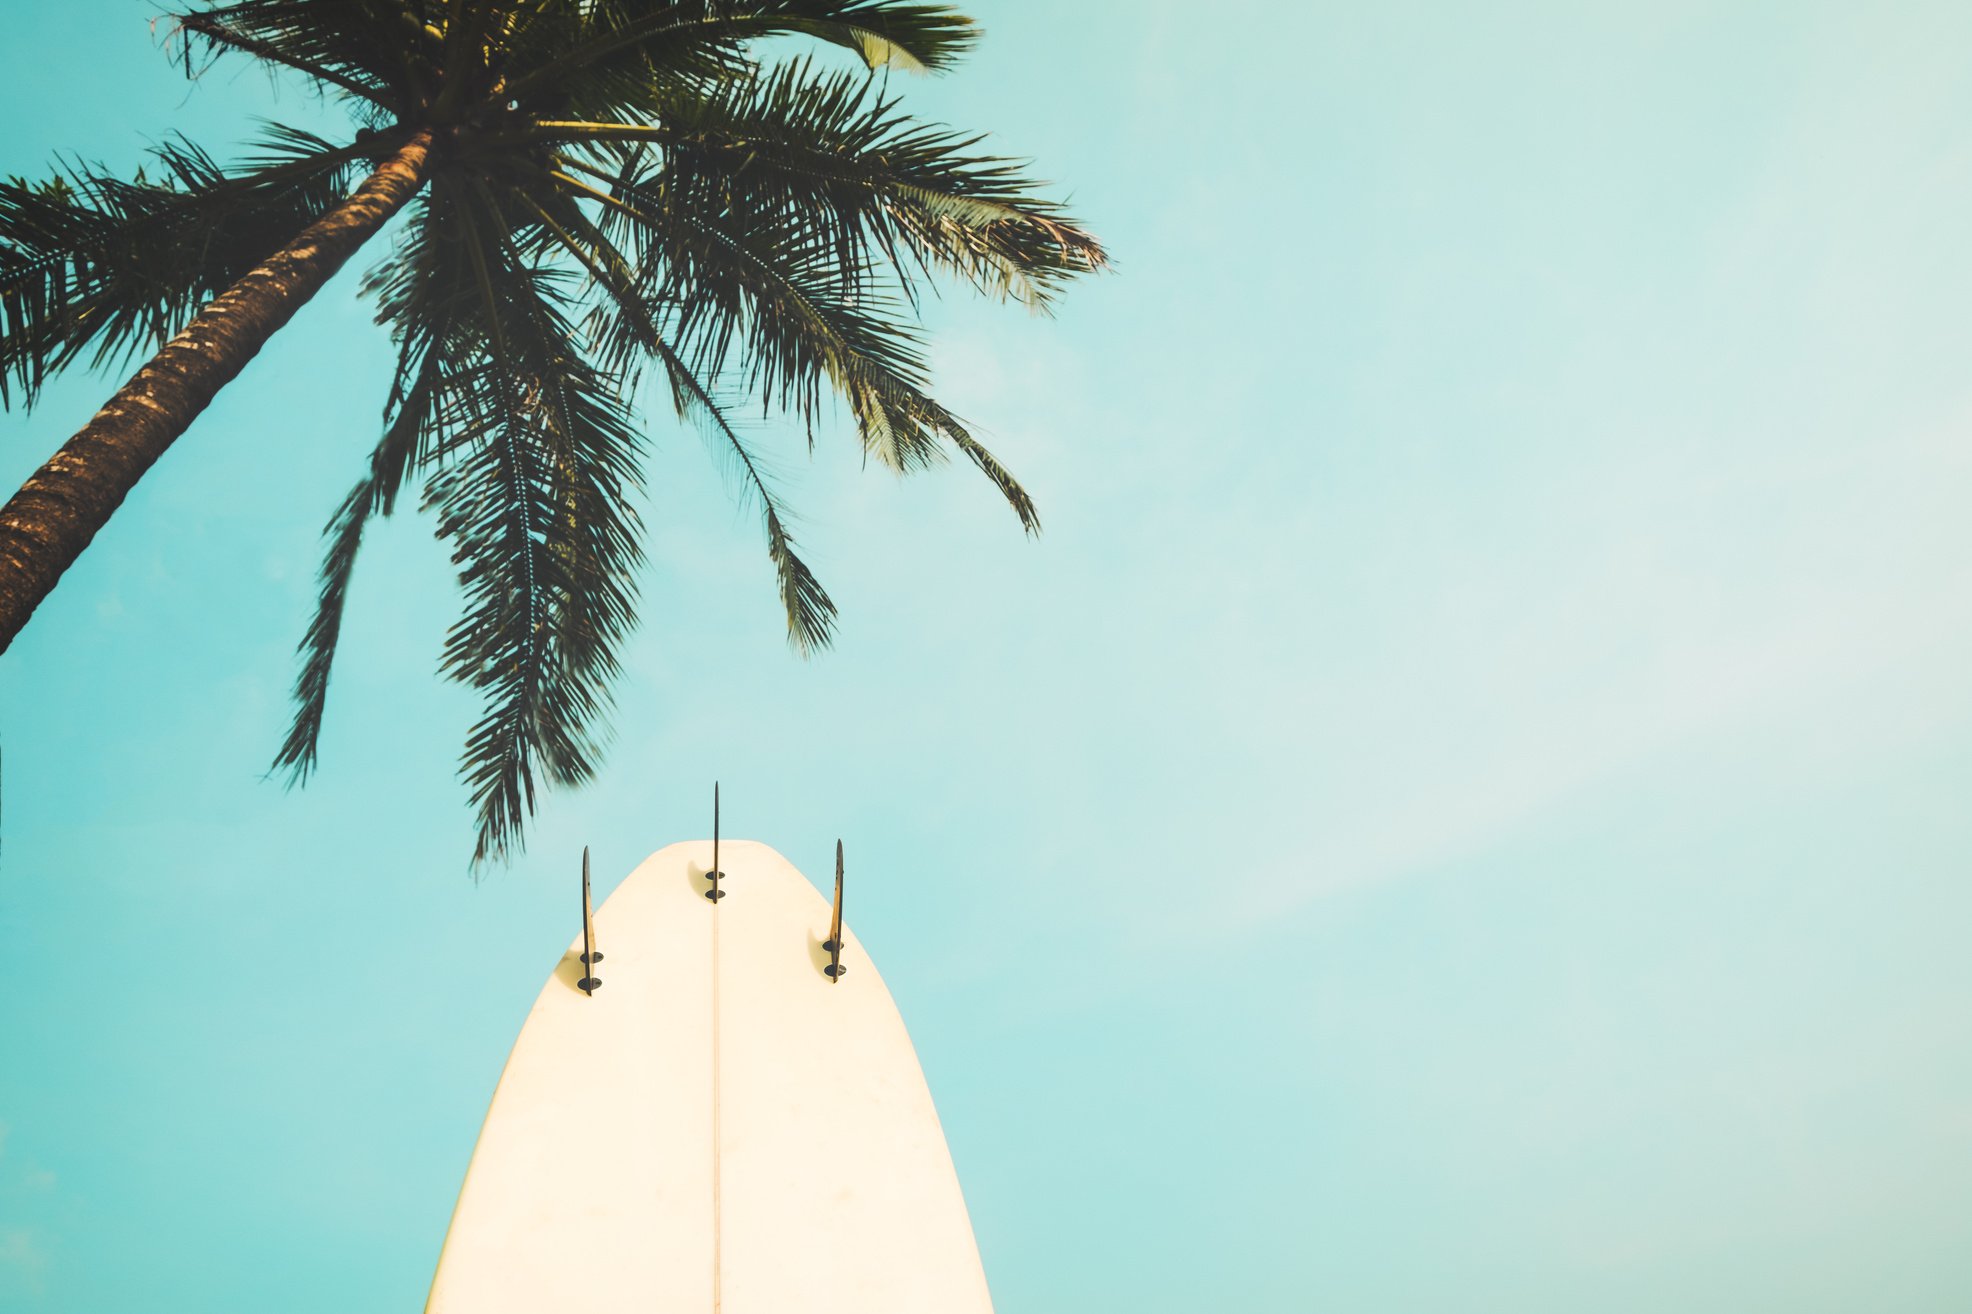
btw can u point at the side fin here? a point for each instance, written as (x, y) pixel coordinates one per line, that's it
(833, 944)
(590, 955)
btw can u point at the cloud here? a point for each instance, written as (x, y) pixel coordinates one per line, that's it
(23, 1262)
(1798, 616)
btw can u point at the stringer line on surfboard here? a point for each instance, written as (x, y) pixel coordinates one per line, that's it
(718, 1205)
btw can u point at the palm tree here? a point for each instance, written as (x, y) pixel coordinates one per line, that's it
(589, 189)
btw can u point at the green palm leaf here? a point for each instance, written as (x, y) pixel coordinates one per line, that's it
(587, 192)
(90, 259)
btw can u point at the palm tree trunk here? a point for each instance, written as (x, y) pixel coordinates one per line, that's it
(45, 526)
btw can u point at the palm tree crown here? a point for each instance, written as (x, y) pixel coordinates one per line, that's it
(589, 190)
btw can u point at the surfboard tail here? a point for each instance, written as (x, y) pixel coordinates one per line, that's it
(655, 1145)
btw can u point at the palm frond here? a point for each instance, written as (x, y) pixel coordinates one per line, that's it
(803, 320)
(375, 51)
(627, 327)
(810, 611)
(87, 258)
(835, 151)
(613, 53)
(408, 420)
(538, 512)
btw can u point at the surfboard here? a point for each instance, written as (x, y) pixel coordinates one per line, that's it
(717, 1123)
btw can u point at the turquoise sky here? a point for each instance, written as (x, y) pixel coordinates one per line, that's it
(1462, 811)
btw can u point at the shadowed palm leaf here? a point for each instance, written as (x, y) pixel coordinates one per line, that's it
(589, 192)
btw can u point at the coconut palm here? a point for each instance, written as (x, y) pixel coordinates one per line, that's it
(591, 192)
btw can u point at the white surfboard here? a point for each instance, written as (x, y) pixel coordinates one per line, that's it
(719, 1126)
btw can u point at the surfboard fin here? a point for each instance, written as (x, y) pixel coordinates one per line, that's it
(590, 955)
(833, 944)
(715, 875)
